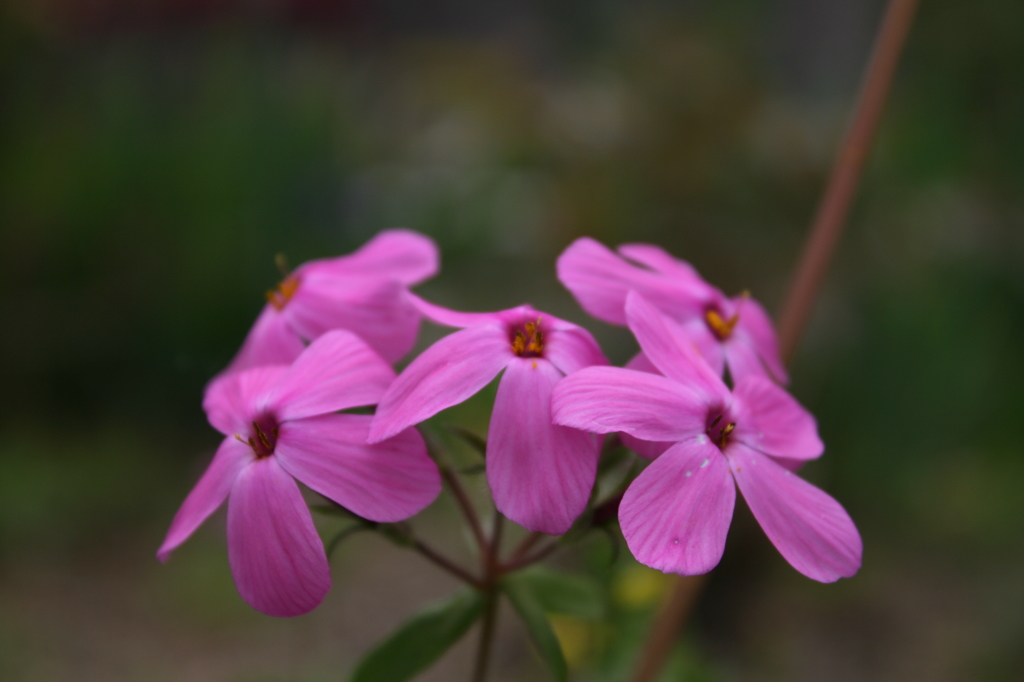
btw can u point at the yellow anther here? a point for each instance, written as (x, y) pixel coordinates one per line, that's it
(280, 296)
(536, 343)
(725, 434)
(530, 343)
(721, 328)
(518, 343)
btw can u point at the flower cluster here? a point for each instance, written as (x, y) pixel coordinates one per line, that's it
(325, 342)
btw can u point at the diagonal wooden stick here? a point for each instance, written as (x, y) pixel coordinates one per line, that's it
(817, 254)
(849, 165)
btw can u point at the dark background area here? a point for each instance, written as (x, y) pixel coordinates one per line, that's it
(155, 156)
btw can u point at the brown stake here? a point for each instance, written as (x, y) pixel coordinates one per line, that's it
(835, 204)
(817, 253)
(666, 628)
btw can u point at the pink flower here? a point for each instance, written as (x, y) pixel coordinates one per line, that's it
(736, 332)
(675, 515)
(364, 292)
(280, 426)
(540, 473)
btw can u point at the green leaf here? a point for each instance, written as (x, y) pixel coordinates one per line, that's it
(421, 640)
(532, 612)
(572, 595)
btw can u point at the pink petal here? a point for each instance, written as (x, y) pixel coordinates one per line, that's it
(377, 310)
(212, 489)
(571, 348)
(755, 323)
(233, 401)
(336, 372)
(809, 528)
(224, 406)
(669, 349)
(742, 358)
(386, 482)
(708, 345)
(780, 425)
(648, 406)
(660, 260)
(644, 448)
(400, 254)
(271, 341)
(641, 363)
(540, 473)
(676, 514)
(452, 318)
(600, 280)
(447, 373)
(276, 556)
(647, 449)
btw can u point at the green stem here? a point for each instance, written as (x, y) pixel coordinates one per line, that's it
(529, 559)
(483, 651)
(494, 548)
(466, 506)
(447, 564)
(526, 545)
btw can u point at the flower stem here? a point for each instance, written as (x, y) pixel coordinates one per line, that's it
(514, 564)
(447, 564)
(492, 573)
(817, 253)
(494, 547)
(483, 651)
(466, 506)
(526, 545)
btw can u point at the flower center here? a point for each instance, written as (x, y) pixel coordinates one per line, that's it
(263, 438)
(719, 429)
(280, 295)
(528, 340)
(721, 327)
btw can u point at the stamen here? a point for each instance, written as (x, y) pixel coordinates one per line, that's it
(719, 432)
(264, 441)
(536, 343)
(518, 343)
(262, 436)
(725, 434)
(280, 296)
(721, 328)
(528, 341)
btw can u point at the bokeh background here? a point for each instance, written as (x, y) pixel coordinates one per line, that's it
(155, 156)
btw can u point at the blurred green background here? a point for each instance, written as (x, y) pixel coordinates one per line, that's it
(155, 156)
